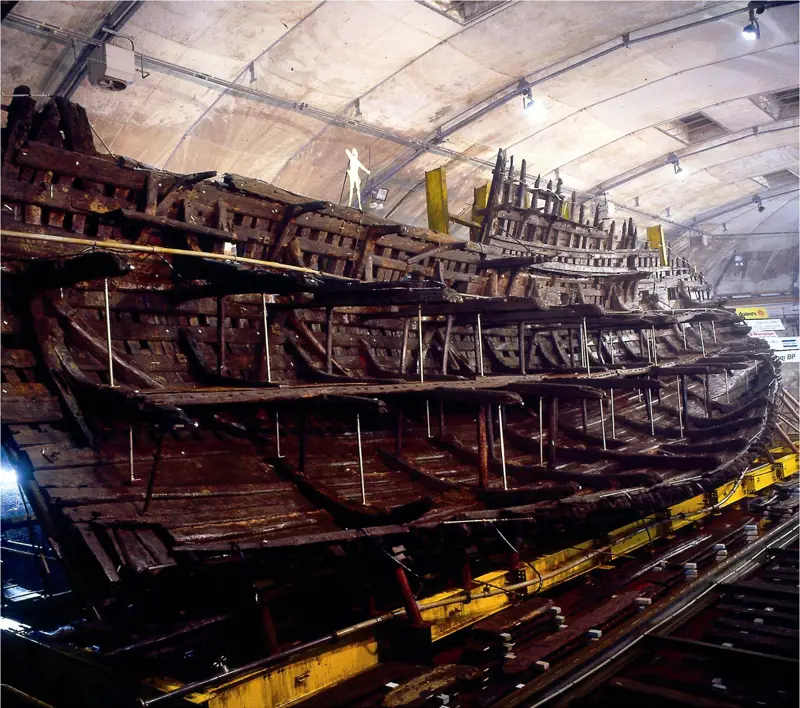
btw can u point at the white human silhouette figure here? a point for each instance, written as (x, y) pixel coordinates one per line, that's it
(352, 174)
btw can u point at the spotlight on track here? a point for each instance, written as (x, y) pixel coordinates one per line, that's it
(528, 103)
(757, 202)
(672, 159)
(752, 31)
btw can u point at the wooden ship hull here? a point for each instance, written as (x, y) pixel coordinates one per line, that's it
(215, 384)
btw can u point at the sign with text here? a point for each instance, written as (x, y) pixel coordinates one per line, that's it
(771, 325)
(752, 313)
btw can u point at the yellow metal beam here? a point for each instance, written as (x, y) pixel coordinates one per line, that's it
(436, 197)
(480, 201)
(452, 610)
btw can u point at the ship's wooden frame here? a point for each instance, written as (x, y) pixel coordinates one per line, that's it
(549, 374)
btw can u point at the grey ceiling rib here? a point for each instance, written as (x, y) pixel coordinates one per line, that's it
(725, 209)
(114, 20)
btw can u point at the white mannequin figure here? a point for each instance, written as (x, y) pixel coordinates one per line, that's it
(352, 173)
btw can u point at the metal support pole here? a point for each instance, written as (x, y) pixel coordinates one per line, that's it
(278, 434)
(613, 422)
(649, 397)
(727, 390)
(221, 335)
(131, 478)
(479, 347)
(683, 332)
(151, 483)
(404, 346)
(266, 336)
(483, 449)
(584, 416)
(680, 405)
(428, 416)
(502, 445)
(685, 400)
(360, 460)
(786, 438)
(329, 340)
(551, 438)
(655, 351)
(446, 352)
(714, 331)
(521, 331)
(702, 343)
(421, 347)
(108, 333)
(541, 434)
(586, 346)
(603, 423)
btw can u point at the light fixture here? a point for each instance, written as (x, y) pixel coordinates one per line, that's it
(672, 159)
(378, 197)
(527, 99)
(724, 228)
(752, 31)
(757, 202)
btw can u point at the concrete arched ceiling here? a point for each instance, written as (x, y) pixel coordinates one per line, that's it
(414, 71)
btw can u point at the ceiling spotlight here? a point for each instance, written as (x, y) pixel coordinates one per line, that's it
(752, 31)
(757, 202)
(672, 159)
(527, 99)
(724, 228)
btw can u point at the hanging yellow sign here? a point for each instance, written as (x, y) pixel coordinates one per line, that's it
(752, 313)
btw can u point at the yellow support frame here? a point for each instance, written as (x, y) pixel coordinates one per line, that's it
(656, 241)
(436, 197)
(283, 686)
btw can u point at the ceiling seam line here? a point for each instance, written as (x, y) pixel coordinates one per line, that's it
(663, 78)
(224, 92)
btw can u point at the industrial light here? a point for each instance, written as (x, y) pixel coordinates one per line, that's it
(757, 202)
(672, 159)
(527, 99)
(378, 198)
(752, 31)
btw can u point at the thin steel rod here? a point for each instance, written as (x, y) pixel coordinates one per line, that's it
(613, 422)
(603, 423)
(786, 439)
(502, 445)
(131, 478)
(138, 248)
(541, 433)
(680, 405)
(714, 331)
(655, 350)
(404, 345)
(683, 332)
(650, 412)
(360, 460)
(266, 335)
(788, 422)
(421, 346)
(108, 333)
(727, 390)
(428, 416)
(702, 342)
(329, 340)
(278, 434)
(446, 352)
(480, 345)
